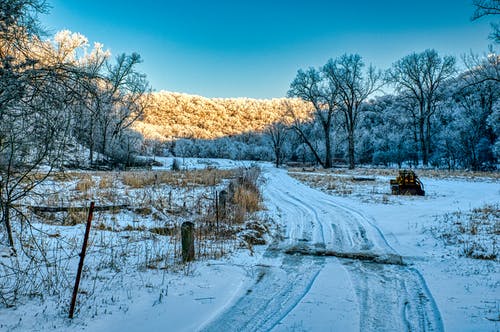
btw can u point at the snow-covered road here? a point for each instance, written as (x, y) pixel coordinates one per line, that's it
(305, 281)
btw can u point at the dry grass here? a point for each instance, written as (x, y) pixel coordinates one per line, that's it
(54, 176)
(74, 217)
(205, 177)
(139, 179)
(247, 197)
(244, 194)
(143, 211)
(85, 183)
(164, 231)
(106, 182)
(334, 183)
(146, 234)
(64, 176)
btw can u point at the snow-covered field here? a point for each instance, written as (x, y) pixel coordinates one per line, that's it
(359, 261)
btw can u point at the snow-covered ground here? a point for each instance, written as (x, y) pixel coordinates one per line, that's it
(397, 274)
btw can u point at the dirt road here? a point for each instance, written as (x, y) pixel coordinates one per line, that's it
(330, 269)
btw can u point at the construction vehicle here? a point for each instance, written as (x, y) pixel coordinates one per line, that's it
(407, 183)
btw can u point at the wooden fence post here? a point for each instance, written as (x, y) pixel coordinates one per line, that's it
(187, 235)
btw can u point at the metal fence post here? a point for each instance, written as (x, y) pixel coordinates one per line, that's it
(82, 257)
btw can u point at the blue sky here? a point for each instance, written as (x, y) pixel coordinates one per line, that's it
(254, 48)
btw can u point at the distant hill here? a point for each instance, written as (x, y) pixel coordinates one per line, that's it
(176, 115)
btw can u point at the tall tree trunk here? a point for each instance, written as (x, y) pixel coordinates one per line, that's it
(351, 153)
(328, 151)
(350, 150)
(423, 147)
(104, 143)
(277, 151)
(6, 220)
(428, 138)
(474, 164)
(91, 140)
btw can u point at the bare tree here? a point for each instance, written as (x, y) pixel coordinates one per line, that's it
(126, 91)
(481, 69)
(17, 24)
(486, 8)
(277, 133)
(485, 68)
(310, 86)
(353, 86)
(115, 97)
(420, 76)
(32, 134)
(38, 88)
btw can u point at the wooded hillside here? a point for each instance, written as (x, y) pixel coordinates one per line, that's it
(176, 115)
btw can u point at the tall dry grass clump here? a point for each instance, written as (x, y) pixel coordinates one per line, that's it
(139, 179)
(85, 183)
(245, 194)
(106, 182)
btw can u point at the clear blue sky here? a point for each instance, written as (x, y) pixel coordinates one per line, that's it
(253, 48)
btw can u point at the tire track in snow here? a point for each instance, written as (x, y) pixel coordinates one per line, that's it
(305, 210)
(393, 298)
(277, 291)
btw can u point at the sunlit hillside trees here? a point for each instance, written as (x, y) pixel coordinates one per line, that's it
(176, 115)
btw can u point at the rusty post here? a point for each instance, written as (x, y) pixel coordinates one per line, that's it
(82, 257)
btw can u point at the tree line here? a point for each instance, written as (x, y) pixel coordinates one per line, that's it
(436, 116)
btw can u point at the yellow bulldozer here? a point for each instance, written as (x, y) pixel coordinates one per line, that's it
(407, 183)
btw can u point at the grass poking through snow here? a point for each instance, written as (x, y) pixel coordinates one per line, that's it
(474, 233)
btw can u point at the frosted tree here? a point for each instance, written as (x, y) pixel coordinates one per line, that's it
(494, 123)
(311, 86)
(121, 100)
(420, 77)
(390, 132)
(486, 68)
(353, 86)
(486, 8)
(37, 92)
(466, 122)
(278, 133)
